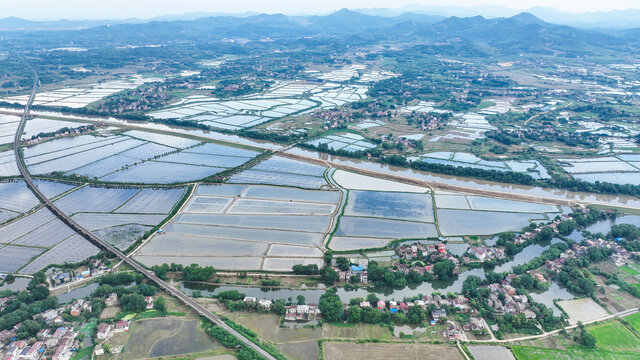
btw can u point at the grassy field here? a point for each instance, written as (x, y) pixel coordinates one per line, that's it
(630, 269)
(405, 351)
(531, 353)
(613, 336)
(357, 331)
(634, 321)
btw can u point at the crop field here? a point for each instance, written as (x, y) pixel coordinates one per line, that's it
(16, 197)
(614, 336)
(379, 211)
(119, 215)
(83, 96)
(8, 127)
(246, 227)
(584, 309)
(353, 181)
(72, 250)
(8, 165)
(281, 100)
(152, 201)
(35, 126)
(13, 258)
(383, 228)
(415, 351)
(342, 243)
(165, 337)
(390, 205)
(51, 189)
(134, 157)
(346, 141)
(634, 321)
(486, 352)
(46, 235)
(470, 222)
(530, 167)
(285, 172)
(534, 353)
(96, 221)
(616, 169)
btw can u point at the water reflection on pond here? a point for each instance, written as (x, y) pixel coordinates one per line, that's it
(78, 293)
(604, 226)
(18, 284)
(554, 292)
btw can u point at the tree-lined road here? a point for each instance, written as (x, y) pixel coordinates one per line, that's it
(106, 246)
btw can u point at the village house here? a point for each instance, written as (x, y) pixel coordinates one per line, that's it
(104, 331)
(475, 325)
(121, 326)
(301, 313)
(438, 314)
(111, 300)
(265, 304)
(453, 333)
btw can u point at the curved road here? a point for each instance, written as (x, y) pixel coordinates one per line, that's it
(104, 245)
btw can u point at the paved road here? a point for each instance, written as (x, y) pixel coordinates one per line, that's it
(106, 246)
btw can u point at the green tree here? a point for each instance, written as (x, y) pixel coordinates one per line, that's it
(160, 304)
(354, 314)
(329, 275)
(331, 306)
(444, 269)
(133, 303)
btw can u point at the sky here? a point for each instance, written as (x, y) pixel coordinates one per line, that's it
(120, 9)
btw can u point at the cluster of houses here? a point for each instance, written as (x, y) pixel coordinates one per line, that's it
(333, 118)
(262, 303)
(60, 344)
(357, 268)
(484, 253)
(106, 331)
(620, 256)
(301, 313)
(63, 132)
(96, 268)
(428, 252)
(459, 303)
(504, 300)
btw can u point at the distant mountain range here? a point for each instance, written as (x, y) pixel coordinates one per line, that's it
(615, 19)
(523, 32)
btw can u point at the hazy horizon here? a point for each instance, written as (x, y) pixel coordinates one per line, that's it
(145, 9)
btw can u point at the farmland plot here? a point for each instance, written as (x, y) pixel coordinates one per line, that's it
(469, 222)
(95, 199)
(16, 196)
(285, 172)
(346, 141)
(384, 228)
(36, 126)
(8, 165)
(47, 235)
(152, 201)
(530, 167)
(134, 157)
(8, 127)
(25, 225)
(52, 189)
(72, 250)
(228, 227)
(402, 206)
(155, 172)
(617, 169)
(13, 258)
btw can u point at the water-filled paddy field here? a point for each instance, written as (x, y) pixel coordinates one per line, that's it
(247, 227)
